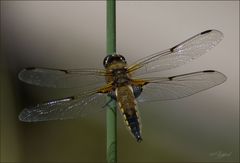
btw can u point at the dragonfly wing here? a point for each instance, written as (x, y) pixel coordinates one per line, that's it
(177, 55)
(57, 78)
(66, 108)
(175, 87)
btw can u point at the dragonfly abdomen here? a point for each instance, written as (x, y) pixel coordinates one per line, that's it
(127, 104)
(132, 121)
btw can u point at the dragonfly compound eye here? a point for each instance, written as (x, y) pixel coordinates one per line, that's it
(109, 59)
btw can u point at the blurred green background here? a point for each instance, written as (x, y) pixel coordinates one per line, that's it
(200, 128)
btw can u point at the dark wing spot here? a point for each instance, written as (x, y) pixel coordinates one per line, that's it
(204, 32)
(30, 68)
(172, 49)
(71, 97)
(171, 78)
(209, 71)
(65, 71)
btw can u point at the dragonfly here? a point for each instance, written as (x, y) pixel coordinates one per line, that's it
(126, 85)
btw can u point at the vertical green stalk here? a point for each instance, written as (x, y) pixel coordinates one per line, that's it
(111, 110)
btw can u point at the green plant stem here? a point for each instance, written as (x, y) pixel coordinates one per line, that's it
(111, 110)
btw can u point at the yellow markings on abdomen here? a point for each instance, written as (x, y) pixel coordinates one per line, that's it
(127, 104)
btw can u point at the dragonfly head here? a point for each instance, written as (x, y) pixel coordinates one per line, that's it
(114, 58)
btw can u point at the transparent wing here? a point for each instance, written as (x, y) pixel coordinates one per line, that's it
(66, 108)
(57, 78)
(177, 55)
(175, 87)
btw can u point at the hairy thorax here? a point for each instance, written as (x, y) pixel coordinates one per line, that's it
(119, 75)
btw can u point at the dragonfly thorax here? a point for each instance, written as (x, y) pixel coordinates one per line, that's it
(120, 77)
(116, 66)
